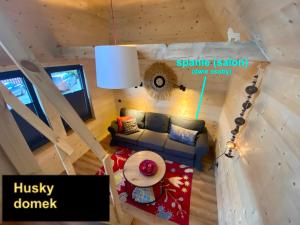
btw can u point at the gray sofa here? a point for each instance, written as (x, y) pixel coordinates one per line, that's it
(153, 135)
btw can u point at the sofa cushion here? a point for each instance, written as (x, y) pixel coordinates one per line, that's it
(153, 140)
(130, 138)
(130, 126)
(179, 149)
(137, 114)
(187, 123)
(157, 122)
(183, 135)
(120, 121)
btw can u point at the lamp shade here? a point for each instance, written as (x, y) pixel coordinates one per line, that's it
(117, 67)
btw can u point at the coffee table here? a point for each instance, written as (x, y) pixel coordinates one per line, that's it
(144, 189)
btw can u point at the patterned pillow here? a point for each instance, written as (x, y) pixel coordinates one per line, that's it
(130, 126)
(120, 121)
(183, 135)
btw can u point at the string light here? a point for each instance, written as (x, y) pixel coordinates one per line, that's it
(240, 121)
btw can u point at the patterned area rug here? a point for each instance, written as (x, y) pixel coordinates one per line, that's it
(174, 204)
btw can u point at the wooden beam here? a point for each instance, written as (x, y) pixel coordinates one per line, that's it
(57, 137)
(14, 143)
(28, 64)
(201, 50)
(65, 160)
(208, 50)
(7, 168)
(123, 218)
(56, 123)
(34, 120)
(53, 116)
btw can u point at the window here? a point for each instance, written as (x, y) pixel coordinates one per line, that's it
(18, 88)
(68, 79)
(18, 84)
(71, 83)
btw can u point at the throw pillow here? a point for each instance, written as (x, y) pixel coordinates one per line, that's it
(183, 135)
(130, 126)
(120, 121)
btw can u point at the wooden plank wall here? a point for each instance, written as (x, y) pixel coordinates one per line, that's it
(61, 25)
(262, 186)
(171, 21)
(46, 26)
(181, 103)
(103, 105)
(163, 21)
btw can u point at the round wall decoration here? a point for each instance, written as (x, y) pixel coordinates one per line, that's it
(160, 80)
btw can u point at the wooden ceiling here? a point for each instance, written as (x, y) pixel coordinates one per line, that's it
(164, 21)
(274, 23)
(45, 26)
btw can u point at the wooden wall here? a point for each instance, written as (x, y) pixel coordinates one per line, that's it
(262, 186)
(181, 103)
(103, 105)
(176, 21)
(48, 25)
(163, 21)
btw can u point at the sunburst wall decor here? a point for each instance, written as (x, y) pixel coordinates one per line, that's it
(160, 80)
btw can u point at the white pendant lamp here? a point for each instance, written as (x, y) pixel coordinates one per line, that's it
(117, 67)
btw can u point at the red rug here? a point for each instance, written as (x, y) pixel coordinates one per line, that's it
(174, 204)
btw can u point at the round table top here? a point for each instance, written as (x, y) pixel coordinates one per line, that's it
(133, 175)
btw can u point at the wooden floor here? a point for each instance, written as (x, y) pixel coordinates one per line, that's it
(203, 199)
